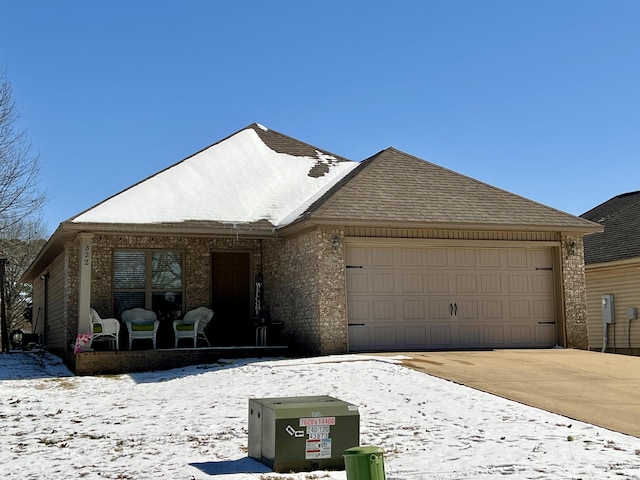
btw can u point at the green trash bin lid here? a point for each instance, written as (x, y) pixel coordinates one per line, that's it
(364, 450)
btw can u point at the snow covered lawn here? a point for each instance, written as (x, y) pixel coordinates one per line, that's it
(191, 423)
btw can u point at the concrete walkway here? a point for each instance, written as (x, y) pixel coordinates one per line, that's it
(598, 388)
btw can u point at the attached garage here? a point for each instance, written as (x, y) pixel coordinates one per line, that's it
(450, 295)
(391, 253)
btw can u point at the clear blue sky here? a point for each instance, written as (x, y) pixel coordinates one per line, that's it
(538, 97)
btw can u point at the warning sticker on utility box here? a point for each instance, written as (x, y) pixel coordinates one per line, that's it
(308, 422)
(318, 431)
(317, 448)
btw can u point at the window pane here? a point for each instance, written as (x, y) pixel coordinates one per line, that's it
(128, 269)
(126, 300)
(166, 270)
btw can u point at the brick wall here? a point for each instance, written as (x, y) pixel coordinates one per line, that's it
(197, 263)
(197, 267)
(575, 292)
(305, 289)
(304, 282)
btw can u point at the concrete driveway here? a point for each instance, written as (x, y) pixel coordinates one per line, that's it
(598, 388)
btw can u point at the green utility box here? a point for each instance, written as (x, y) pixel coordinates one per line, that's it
(302, 433)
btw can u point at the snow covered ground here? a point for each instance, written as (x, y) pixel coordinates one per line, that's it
(191, 423)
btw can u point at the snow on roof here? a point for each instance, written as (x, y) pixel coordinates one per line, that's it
(239, 180)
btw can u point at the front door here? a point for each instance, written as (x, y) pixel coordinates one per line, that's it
(231, 295)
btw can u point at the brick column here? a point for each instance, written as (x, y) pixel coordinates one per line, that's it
(574, 291)
(84, 284)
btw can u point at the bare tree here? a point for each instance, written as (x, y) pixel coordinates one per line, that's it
(20, 196)
(20, 241)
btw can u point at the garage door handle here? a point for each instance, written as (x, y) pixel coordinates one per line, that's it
(356, 324)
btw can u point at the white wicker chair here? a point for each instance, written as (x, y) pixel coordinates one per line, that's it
(192, 325)
(141, 324)
(104, 329)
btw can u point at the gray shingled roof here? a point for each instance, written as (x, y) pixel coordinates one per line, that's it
(620, 240)
(281, 143)
(393, 186)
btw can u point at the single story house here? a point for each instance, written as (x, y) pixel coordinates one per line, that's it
(612, 259)
(390, 253)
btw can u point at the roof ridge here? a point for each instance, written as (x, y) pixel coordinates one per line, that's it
(617, 211)
(621, 210)
(264, 132)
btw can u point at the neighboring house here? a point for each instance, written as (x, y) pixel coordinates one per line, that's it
(391, 253)
(612, 262)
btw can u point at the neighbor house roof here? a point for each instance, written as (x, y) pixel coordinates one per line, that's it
(620, 239)
(395, 188)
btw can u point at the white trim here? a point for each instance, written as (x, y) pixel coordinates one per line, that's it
(375, 241)
(84, 283)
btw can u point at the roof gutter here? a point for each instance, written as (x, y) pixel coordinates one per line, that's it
(587, 228)
(67, 232)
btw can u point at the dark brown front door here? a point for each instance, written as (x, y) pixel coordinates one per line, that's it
(231, 294)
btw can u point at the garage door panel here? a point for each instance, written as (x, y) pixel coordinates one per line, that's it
(438, 283)
(520, 309)
(382, 283)
(542, 284)
(490, 283)
(413, 283)
(360, 337)
(441, 336)
(358, 310)
(385, 336)
(439, 309)
(466, 283)
(413, 309)
(492, 309)
(358, 283)
(382, 257)
(465, 257)
(517, 258)
(466, 310)
(357, 256)
(430, 298)
(490, 257)
(521, 335)
(544, 332)
(412, 257)
(437, 257)
(541, 259)
(518, 283)
(493, 335)
(469, 336)
(384, 309)
(543, 310)
(415, 335)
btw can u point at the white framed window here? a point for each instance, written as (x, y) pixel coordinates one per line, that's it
(150, 279)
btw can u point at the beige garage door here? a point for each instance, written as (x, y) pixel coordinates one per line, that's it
(449, 297)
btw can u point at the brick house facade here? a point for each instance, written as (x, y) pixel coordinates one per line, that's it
(360, 241)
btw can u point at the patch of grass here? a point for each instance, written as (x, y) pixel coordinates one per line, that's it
(93, 436)
(63, 383)
(309, 476)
